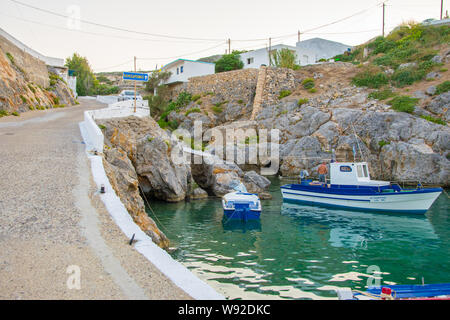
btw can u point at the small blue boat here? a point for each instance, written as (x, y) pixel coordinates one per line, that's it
(398, 292)
(350, 187)
(241, 205)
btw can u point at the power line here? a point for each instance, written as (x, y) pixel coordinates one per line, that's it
(113, 27)
(186, 54)
(342, 19)
(92, 33)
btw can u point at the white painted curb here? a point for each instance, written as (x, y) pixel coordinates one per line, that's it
(171, 268)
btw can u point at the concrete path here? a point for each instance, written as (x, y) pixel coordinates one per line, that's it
(56, 239)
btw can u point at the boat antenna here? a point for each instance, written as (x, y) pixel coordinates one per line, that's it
(357, 143)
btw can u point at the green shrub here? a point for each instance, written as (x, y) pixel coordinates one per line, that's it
(371, 77)
(31, 88)
(101, 126)
(403, 103)
(229, 62)
(443, 87)
(382, 95)
(192, 111)
(59, 106)
(196, 97)
(15, 113)
(382, 143)
(31, 107)
(435, 120)
(443, 70)
(284, 93)
(217, 109)
(284, 58)
(3, 113)
(163, 124)
(24, 100)
(10, 57)
(56, 100)
(312, 90)
(407, 76)
(302, 101)
(284, 112)
(240, 101)
(183, 99)
(199, 102)
(308, 83)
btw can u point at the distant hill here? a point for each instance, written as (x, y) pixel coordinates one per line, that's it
(212, 59)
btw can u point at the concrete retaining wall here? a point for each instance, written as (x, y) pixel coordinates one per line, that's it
(174, 270)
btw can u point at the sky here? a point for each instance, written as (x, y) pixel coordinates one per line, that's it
(158, 32)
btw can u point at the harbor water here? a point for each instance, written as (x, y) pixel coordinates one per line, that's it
(306, 252)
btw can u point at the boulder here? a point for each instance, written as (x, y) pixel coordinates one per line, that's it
(431, 90)
(215, 175)
(402, 161)
(124, 181)
(440, 105)
(151, 150)
(257, 184)
(198, 193)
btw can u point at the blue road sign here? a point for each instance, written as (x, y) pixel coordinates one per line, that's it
(135, 76)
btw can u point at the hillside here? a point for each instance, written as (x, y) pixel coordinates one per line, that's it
(26, 83)
(399, 125)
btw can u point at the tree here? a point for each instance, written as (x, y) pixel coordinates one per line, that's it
(229, 62)
(87, 83)
(85, 77)
(284, 58)
(156, 79)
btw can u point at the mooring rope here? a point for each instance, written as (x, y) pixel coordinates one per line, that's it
(153, 212)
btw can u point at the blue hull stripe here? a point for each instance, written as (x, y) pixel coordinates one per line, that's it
(327, 205)
(308, 195)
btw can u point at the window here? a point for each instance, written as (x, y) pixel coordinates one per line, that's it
(359, 170)
(250, 60)
(345, 169)
(181, 69)
(365, 171)
(178, 70)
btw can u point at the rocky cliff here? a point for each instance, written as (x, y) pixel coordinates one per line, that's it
(141, 159)
(332, 114)
(26, 83)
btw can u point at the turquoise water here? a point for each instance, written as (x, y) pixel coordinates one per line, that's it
(305, 252)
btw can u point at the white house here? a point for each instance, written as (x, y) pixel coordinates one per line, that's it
(308, 52)
(182, 69)
(322, 48)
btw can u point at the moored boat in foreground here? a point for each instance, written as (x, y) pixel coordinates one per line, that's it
(350, 187)
(398, 292)
(241, 205)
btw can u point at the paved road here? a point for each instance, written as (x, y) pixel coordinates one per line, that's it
(56, 239)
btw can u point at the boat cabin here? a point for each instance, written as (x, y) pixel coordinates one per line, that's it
(352, 173)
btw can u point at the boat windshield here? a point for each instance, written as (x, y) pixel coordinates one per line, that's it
(359, 170)
(365, 171)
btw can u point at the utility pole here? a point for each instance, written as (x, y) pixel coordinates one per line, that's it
(135, 86)
(298, 35)
(270, 52)
(229, 46)
(442, 8)
(384, 9)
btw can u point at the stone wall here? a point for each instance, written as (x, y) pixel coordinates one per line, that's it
(35, 69)
(276, 80)
(226, 86)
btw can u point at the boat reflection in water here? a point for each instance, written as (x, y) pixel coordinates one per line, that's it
(351, 229)
(240, 225)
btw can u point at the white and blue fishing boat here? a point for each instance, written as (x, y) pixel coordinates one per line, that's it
(439, 291)
(350, 187)
(241, 205)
